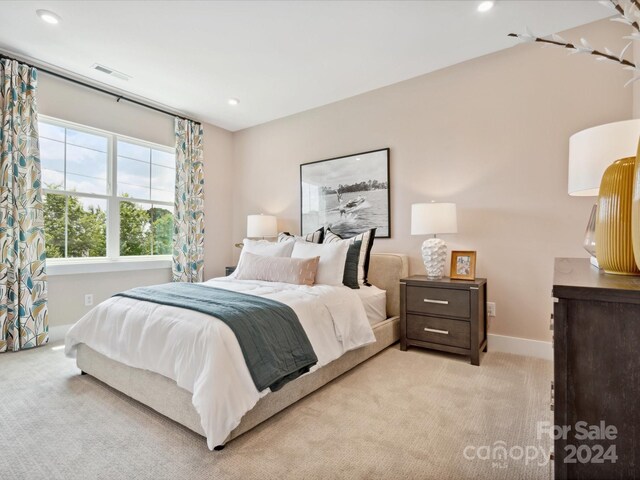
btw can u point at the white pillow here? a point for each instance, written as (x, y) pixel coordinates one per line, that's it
(265, 248)
(332, 258)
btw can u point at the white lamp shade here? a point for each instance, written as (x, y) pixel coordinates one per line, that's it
(433, 218)
(592, 150)
(262, 226)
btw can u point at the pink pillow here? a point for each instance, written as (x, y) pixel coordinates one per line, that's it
(299, 271)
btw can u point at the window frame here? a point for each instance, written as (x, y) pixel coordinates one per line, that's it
(112, 261)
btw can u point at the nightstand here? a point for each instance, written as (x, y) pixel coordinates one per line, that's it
(229, 270)
(447, 315)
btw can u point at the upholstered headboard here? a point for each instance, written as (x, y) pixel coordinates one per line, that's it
(385, 272)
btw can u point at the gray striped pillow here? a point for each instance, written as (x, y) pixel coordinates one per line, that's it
(365, 250)
(350, 276)
(313, 237)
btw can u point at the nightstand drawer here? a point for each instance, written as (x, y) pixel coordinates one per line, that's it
(438, 301)
(443, 331)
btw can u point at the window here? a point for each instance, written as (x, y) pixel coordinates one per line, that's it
(105, 195)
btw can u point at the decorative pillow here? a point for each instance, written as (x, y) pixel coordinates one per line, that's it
(332, 259)
(350, 277)
(264, 248)
(367, 239)
(314, 237)
(267, 248)
(299, 271)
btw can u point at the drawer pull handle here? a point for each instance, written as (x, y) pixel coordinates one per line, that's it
(439, 302)
(435, 330)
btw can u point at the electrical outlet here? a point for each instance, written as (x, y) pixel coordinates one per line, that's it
(491, 309)
(88, 299)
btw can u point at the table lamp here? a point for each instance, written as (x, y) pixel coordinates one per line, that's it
(262, 226)
(607, 148)
(434, 219)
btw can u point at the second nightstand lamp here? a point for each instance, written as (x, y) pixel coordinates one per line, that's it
(262, 226)
(433, 219)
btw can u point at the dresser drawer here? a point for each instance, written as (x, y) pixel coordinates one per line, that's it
(443, 331)
(438, 301)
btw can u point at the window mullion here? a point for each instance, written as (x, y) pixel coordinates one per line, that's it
(75, 194)
(113, 228)
(66, 199)
(151, 198)
(64, 173)
(113, 215)
(66, 227)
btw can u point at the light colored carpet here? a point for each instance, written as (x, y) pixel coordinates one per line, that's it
(405, 415)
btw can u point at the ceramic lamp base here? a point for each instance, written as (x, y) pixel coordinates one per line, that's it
(434, 256)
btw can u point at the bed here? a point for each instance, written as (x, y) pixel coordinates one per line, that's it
(165, 396)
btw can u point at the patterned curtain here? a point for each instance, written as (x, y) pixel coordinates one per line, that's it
(188, 222)
(23, 287)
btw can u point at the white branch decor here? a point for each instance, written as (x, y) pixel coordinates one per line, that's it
(627, 12)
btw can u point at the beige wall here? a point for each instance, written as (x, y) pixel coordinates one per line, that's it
(218, 149)
(64, 100)
(490, 134)
(66, 292)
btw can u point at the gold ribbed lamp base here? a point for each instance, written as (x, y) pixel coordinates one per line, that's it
(635, 211)
(614, 245)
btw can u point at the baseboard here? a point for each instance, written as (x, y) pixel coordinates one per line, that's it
(57, 333)
(520, 346)
(497, 343)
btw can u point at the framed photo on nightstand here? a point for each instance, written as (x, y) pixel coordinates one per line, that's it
(463, 265)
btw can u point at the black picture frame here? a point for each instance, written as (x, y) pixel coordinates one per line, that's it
(361, 201)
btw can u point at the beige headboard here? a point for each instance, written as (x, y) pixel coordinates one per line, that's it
(385, 272)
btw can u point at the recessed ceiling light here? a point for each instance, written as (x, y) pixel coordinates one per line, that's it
(233, 101)
(485, 6)
(48, 16)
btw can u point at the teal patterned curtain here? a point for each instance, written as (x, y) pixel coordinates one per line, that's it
(23, 287)
(188, 222)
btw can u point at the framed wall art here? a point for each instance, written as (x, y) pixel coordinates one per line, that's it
(348, 194)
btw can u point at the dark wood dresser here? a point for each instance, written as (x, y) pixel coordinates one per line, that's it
(596, 326)
(445, 314)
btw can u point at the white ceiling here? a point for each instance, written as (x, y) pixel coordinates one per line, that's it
(277, 57)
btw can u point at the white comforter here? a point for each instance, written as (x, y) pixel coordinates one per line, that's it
(201, 353)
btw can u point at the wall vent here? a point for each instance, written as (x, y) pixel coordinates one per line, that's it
(110, 71)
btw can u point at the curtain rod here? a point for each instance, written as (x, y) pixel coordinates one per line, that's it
(101, 90)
